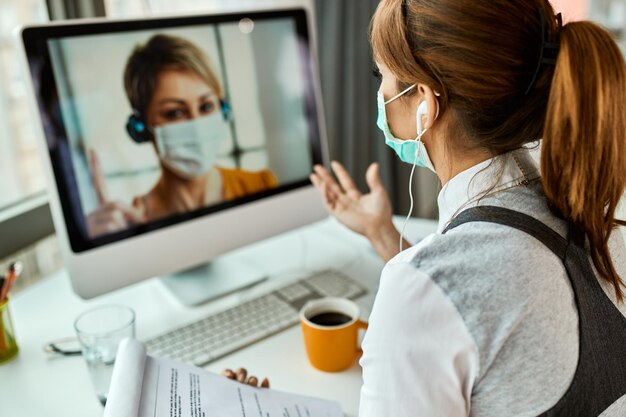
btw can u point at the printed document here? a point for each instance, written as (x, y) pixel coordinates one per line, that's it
(144, 386)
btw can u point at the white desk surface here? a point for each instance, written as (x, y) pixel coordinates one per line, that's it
(35, 384)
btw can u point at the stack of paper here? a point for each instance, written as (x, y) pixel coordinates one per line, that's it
(144, 386)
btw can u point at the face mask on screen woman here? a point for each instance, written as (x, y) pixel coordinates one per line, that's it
(190, 149)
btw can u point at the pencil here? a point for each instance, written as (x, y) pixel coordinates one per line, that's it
(3, 344)
(3, 282)
(15, 269)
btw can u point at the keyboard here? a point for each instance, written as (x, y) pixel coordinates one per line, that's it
(220, 334)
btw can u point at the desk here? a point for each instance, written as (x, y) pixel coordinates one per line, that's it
(35, 385)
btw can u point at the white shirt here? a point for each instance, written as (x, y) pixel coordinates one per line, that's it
(419, 357)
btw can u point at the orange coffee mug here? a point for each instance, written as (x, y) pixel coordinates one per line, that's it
(330, 327)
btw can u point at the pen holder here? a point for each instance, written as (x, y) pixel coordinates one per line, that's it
(8, 346)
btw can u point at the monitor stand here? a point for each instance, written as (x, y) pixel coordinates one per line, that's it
(209, 281)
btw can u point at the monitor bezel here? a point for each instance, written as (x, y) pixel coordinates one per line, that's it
(35, 40)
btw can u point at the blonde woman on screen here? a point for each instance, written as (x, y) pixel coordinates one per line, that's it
(179, 107)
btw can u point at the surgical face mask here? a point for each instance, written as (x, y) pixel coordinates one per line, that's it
(190, 149)
(410, 151)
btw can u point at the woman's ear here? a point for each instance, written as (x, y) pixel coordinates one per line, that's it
(429, 95)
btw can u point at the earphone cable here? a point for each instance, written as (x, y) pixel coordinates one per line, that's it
(417, 154)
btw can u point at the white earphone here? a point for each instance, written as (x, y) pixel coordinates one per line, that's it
(422, 110)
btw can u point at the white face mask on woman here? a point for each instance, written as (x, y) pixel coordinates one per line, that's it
(190, 149)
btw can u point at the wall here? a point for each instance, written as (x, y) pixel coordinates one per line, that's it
(572, 9)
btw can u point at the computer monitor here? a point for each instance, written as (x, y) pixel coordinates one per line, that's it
(170, 141)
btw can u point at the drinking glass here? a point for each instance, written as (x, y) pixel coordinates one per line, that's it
(99, 332)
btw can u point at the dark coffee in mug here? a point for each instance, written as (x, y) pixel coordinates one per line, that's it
(330, 319)
(330, 328)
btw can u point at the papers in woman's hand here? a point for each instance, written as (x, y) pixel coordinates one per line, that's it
(143, 386)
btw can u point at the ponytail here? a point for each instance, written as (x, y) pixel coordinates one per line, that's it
(583, 159)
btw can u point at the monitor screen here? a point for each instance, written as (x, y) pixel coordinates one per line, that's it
(150, 123)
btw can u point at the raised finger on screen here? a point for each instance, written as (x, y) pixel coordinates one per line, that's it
(97, 176)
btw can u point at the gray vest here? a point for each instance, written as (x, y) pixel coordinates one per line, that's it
(600, 377)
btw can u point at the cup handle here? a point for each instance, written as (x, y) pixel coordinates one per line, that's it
(361, 325)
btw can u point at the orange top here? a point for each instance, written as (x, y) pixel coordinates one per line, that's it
(237, 183)
(159, 202)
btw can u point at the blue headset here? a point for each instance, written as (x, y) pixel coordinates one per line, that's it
(138, 130)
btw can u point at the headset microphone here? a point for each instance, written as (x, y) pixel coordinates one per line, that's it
(137, 128)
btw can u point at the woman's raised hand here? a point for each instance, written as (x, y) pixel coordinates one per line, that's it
(365, 214)
(110, 216)
(368, 214)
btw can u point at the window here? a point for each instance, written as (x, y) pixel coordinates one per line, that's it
(128, 8)
(21, 173)
(611, 14)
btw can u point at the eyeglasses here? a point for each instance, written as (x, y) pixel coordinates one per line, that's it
(67, 346)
